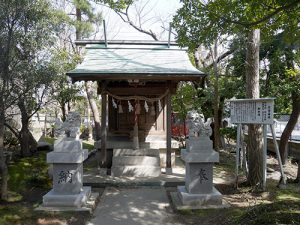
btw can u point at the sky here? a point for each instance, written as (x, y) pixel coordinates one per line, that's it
(155, 14)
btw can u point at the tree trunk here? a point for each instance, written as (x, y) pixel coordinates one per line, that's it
(45, 123)
(24, 142)
(284, 140)
(196, 58)
(63, 111)
(69, 106)
(89, 90)
(220, 115)
(255, 139)
(78, 18)
(95, 110)
(298, 173)
(216, 102)
(3, 166)
(90, 128)
(27, 142)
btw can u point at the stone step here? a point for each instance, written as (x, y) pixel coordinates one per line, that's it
(136, 171)
(129, 144)
(77, 200)
(138, 152)
(136, 160)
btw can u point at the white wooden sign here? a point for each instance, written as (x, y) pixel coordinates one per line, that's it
(252, 111)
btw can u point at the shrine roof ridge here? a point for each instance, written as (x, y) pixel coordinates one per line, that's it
(121, 60)
(125, 42)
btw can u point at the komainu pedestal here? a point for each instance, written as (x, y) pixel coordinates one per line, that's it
(199, 158)
(67, 159)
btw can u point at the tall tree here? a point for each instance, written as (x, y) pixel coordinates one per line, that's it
(201, 22)
(282, 81)
(94, 107)
(34, 86)
(63, 91)
(293, 76)
(77, 20)
(22, 24)
(255, 144)
(82, 6)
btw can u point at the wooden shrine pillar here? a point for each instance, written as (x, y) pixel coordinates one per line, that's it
(169, 132)
(136, 144)
(103, 153)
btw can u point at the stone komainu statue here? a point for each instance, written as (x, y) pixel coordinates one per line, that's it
(70, 127)
(196, 124)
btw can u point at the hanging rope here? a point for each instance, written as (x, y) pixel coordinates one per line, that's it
(114, 104)
(136, 97)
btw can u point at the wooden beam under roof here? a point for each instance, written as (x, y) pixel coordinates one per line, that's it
(149, 89)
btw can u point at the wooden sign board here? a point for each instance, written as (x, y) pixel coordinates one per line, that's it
(252, 111)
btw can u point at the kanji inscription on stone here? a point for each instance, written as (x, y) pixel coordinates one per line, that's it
(202, 175)
(65, 176)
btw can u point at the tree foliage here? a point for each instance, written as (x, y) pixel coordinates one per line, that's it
(116, 5)
(201, 23)
(221, 17)
(25, 28)
(63, 90)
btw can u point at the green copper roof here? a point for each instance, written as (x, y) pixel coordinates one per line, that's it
(124, 61)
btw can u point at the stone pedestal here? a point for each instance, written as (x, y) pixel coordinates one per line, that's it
(213, 198)
(68, 193)
(199, 189)
(67, 159)
(199, 158)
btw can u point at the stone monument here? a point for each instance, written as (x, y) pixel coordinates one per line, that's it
(67, 159)
(199, 158)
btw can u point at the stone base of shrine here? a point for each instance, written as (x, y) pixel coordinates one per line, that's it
(116, 143)
(135, 171)
(136, 163)
(52, 199)
(184, 200)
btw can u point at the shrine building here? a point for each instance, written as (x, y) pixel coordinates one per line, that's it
(136, 80)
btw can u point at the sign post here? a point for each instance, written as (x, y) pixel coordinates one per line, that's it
(254, 111)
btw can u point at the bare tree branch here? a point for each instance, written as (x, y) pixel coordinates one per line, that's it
(130, 22)
(221, 57)
(124, 15)
(12, 130)
(168, 29)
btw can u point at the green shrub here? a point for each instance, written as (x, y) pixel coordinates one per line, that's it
(229, 133)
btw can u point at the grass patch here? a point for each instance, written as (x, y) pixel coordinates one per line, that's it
(28, 182)
(88, 145)
(198, 212)
(277, 206)
(32, 172)
(291, 193)
(29, 172)
(26, 215)
(282, 212)
(284, 209)
(50, 140)
(14, 197)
